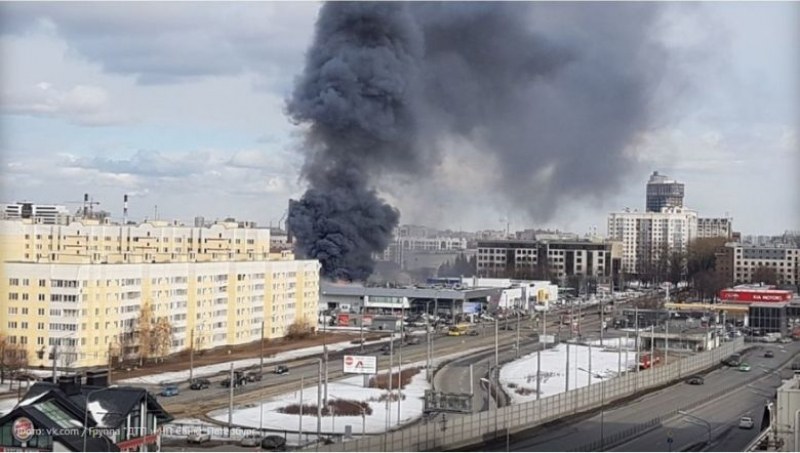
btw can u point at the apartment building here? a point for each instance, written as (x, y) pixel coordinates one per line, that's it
(548, 259)
(646, 235)
(83, 287)
(709, 227)
(739, 262)
(663, 192)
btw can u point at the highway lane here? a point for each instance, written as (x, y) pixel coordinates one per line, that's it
(722, 413)
(199, 402)
(576, 434)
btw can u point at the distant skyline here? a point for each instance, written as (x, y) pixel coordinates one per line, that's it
(181, 105)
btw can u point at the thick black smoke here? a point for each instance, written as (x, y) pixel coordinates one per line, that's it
(552, 92)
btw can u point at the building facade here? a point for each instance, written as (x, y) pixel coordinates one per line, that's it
(714, 227)
(90, 291)
(740, 263)
(646, 236)
(663, 192)
(544, 259)
(49, 214)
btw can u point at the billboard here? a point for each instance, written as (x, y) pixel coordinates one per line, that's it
(344, 319)
(360, 364)
(744, 296)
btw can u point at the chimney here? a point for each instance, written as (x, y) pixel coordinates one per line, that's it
(97, 378)
(71, 385)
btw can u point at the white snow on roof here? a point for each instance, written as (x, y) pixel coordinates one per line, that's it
(31, 400)
(98, 412)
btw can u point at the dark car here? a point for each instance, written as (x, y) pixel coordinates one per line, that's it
(695, 380)
(273, 442)
(769, 354)
(281, 369)
(238, 380)
(253, 376)
(200, 384)
(473, 333)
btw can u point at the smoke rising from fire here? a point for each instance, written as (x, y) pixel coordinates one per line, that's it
(553, 93)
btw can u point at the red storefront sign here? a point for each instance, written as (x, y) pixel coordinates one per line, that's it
(344, 319)
(747, 296)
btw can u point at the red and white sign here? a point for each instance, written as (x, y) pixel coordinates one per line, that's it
(360, 364)
(747, 296)
(22, 429)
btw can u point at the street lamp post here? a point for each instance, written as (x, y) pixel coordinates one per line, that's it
(701, 420)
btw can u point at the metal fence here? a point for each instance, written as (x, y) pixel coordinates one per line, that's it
(455, 431)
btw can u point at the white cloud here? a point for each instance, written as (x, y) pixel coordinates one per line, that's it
(86, 105)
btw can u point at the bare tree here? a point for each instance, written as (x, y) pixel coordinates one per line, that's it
(144, 332)
(765, 275)
(13, 357)
(161, 338)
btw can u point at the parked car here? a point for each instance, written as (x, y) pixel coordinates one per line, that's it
(253, 376)
(281, 369)
(200, 384)
(473, 333)
(170, 390)
(695, 380)
(746, 423)
(198, 437)
(251, 440)
(744, 367)
(769, 354)
(273, 442)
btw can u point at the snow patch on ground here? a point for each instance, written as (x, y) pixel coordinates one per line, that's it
(351, 388)
(606, 363)
(210, 370)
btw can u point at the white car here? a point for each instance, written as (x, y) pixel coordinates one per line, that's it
(251, 440)
(746, 423)
(198, 437)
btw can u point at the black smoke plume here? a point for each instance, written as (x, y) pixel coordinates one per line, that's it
(552, 93)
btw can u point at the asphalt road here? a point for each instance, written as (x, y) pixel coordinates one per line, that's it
(723, 413)
(198, 402)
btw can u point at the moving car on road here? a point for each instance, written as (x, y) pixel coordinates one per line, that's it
(251, 440)
(200, 384)
(695, 380)
(253, 376)
(746, 423)
(199, 436)
(170, 390)
(744, 367)
(281, 369)
(769, 354)
(273, 442)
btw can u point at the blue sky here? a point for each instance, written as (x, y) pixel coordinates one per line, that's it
(181, 105)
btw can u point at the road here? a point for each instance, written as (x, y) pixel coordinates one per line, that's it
(737, 398)
(196, 403)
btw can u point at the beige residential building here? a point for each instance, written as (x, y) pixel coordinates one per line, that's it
(84, 286)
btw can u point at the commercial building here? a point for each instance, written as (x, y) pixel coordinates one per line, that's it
(545, 259)
(49, 214)
(742, 263)
(524, 294)
(69, 416)
(663, 192)
(403, 245)
(375, 300)
(92, 292)
(647, 236)
(708, 227)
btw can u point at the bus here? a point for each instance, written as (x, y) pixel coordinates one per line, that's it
(458, 330)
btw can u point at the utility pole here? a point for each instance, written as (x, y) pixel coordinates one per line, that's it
(590, 364)
(55, 360)
(666, 340)
(538, 372)
(300, 427)
(389, 399)
(428, 342)
(636, 314)
(261, 352)
(400, 358)
(109, 363)
(652, 345)
(325, 357)
(517, 345)
(230, 402)
(567, 374)
(471, 382)
(496, 342)
(602, 321)
(319, 400)
(191, 356)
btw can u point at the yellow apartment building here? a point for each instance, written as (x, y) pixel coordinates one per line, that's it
(83, 287)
